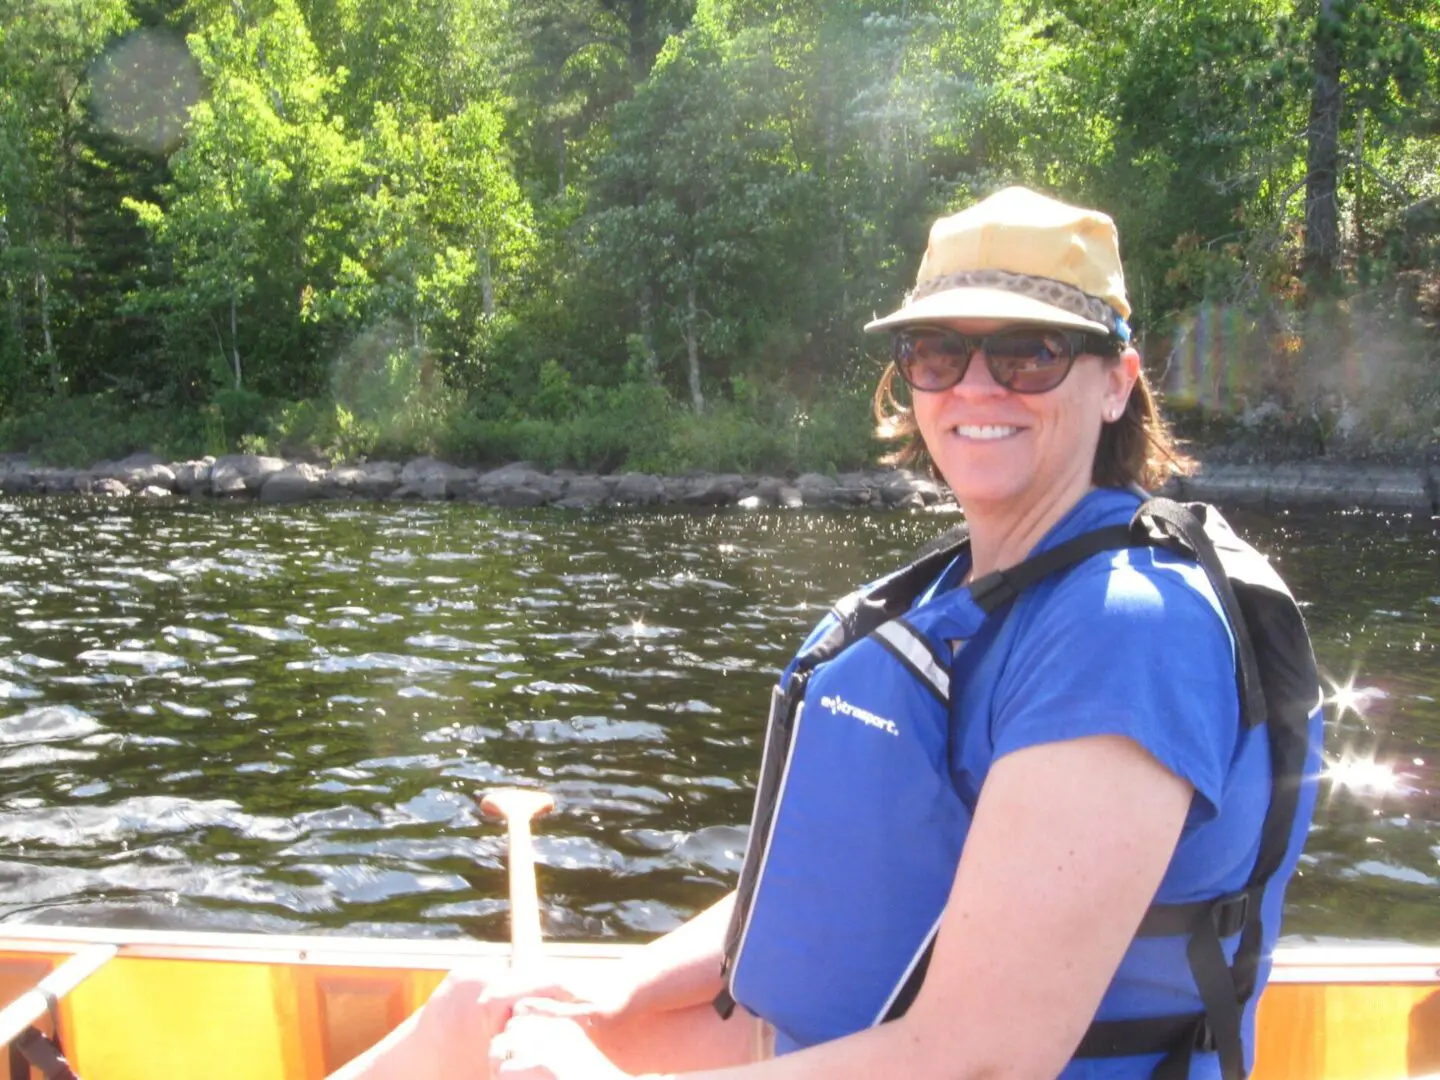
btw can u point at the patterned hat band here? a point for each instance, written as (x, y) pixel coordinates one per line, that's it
(1046, 290)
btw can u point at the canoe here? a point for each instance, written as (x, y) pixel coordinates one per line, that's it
(134, 1005)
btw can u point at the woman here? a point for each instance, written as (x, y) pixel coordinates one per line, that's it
(969, 812)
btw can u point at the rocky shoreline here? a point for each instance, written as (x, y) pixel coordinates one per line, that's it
(273, 480)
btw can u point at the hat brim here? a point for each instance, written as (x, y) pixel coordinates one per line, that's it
(990, 305)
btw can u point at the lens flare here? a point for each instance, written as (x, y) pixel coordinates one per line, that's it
(1346, 697)
(1362, 774)
(143, 88)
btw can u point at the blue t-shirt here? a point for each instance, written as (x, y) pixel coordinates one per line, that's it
(1131, 643)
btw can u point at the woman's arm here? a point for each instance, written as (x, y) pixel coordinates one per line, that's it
(448, 1035)
(1069, 844)
(683, 967)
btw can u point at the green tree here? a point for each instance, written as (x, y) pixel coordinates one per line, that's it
(46, 49)
(260, 192)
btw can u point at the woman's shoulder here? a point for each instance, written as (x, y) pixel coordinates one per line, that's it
(1144, 585)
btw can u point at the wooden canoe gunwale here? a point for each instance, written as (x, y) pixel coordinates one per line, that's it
(321, 950)
(308, 1003)
(1294, 963)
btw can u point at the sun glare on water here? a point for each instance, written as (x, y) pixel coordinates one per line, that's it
(1362, 774)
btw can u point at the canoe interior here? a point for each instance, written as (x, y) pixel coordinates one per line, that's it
(256, 1007)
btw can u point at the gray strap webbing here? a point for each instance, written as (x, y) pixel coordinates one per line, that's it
(915, 652)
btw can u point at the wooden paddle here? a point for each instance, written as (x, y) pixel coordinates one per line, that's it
(517, 806)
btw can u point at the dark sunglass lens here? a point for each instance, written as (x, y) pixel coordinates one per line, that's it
(1029, 362)
(931, 360)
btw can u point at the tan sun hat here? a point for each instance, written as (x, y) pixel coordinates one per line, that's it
(1019, 256)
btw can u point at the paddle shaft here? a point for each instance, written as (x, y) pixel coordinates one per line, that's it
(518, 806)
(524, 897)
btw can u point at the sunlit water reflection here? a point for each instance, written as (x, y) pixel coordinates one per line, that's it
(230, 717)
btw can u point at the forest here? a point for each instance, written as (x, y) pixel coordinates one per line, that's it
(611, 234)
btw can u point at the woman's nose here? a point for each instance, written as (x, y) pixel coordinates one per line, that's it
(977, 377)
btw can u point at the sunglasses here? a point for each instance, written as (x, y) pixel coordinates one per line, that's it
(1023, 359)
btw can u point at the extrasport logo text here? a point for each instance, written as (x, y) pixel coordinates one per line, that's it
(838, 706)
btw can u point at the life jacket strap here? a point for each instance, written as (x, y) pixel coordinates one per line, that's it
(1231, 914)
(1000, 587)
(1218, 1027)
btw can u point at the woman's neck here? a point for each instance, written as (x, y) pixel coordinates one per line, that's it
(1001, 538)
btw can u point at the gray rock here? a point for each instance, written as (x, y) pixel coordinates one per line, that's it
(754, 502)
(790, 498)
(518, 485)
(814, 483)
(582, 492)
(109, 487)
(16, 482)
(517, 498)
(155, 491)
(141, 459)
(295, 483)
(639, 489)
(370, 480)
(1229, 483)
(851, 495)
(57, 481)
(435, 488)
(912, 500)
(1378, 487)
(237, 474)
(713, 490)
(192, 476)
(426, 475)
(896, 486)
(766, 488)
(135, 477)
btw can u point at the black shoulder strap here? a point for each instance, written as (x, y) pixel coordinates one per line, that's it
(1184, 523)
(862, 611)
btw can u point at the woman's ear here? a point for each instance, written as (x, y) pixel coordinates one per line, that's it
(1120, 380)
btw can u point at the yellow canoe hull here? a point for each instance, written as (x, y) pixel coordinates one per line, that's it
(264, 1007)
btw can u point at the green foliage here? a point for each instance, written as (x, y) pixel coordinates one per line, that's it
(646, 233)
(80, 430)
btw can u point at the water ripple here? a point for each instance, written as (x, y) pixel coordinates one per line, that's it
(222, 716)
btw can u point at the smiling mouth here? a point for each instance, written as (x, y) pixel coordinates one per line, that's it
(985, 432)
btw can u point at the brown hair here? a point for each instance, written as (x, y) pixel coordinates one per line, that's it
(1138, 448)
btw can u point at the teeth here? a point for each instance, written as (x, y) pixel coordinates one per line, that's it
(986, 431)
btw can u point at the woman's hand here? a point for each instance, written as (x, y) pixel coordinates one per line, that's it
(593, 999)
(546, 1039)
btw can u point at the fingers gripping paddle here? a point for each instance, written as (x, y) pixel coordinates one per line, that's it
(517, 806)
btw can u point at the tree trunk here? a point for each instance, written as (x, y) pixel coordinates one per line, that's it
(1359, 211)
(647, 330)
(235, 340)
(1322, 209)
(13, 289)
(560, 155)
(487, 285)
(692, 347)
(52, 362)
(638, 27)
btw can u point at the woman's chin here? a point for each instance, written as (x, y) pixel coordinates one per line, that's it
(980, 491)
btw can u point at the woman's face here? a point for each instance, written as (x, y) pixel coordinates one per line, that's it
(1010, 454)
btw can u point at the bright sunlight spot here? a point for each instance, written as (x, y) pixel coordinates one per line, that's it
(1348, 697)
(1362, 774)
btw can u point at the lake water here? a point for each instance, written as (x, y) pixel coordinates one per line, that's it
(219, 716)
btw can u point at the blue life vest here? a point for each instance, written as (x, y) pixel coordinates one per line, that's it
(866, 707)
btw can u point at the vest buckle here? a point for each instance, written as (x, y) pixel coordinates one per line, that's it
(1204, 1036)
(1230, 914)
